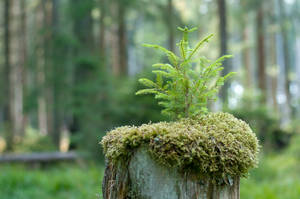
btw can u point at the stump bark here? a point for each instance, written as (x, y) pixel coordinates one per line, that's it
(143, 178)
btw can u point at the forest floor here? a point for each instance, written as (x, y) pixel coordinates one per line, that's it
(66, 181)
(278, 177)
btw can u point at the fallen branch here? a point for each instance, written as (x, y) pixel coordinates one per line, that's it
(39, 157)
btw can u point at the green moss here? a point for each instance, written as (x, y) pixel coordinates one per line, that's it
(216, 145)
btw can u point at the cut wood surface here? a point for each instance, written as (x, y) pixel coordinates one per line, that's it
(39, 157)
(144, 178)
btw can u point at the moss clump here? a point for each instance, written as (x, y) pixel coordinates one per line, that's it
(216, 145)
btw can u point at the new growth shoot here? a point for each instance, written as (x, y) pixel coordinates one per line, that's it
(185, 85)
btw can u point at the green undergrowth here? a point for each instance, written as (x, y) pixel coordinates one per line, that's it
(65, 181)
(277, 177)
(216, 145)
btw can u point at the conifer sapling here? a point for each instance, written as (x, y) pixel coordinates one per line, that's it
(185, 84)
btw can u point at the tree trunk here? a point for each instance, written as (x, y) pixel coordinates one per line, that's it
(102, 27)
(23, 56)
(16, 69)
(272, 56)
(143, 178)
(246, 53)
(122, 29)
(56, 77)
(6, 80)
(83, 25)
(41, 64)
(223, 46)
(114, 52)
(260, 42)
(170, 24)
(274, 73)
(113, 38)
(284, 22)
(297, 52)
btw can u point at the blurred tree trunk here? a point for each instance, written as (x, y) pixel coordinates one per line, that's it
(118, 39)
(260, 42)
(83, 30)
(102, 27)
(246, 52)
(113, 40)
(41, 67)
(23, 56)
(6, 82)
(50, 20)
(83, 24)
(122, 38)
(284, 23)
(114, 51)
(55, 16)
(297, 60)
(170, 24)
(223, 46)
(274, 71)
(272, 55)
(16, 69)
(56, 87)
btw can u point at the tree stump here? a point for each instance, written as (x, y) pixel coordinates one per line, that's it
(186, 159)
(143, 178)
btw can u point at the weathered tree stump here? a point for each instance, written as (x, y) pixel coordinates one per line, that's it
(143, 178)
(186, 159)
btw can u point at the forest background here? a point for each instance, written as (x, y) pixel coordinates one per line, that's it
(69, 71)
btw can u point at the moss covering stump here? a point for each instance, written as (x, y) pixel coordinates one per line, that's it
(191, 158)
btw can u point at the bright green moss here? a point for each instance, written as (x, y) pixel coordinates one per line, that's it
(216, 145)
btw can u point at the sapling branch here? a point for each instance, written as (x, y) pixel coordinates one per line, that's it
(181, 85)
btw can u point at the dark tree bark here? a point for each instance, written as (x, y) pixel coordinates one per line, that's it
(122, 39)
(260, 42)
(118, 39)
(223, 46)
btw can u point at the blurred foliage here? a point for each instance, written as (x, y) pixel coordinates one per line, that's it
(294, 147)
(102, 102)
(33, 141)
(266, 125)
(134, 110)
(264, 121)
(59, 182)
(277, 177)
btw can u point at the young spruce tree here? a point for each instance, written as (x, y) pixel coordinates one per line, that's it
(185, 84)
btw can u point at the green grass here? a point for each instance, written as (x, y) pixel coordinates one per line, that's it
(278, 177)
(59, 182)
